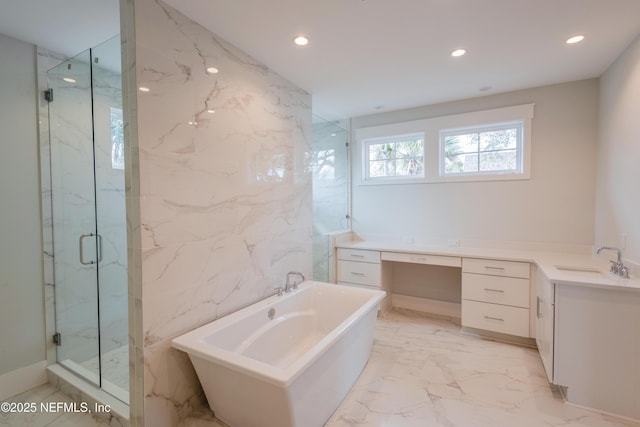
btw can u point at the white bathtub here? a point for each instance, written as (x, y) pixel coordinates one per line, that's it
(292, 370)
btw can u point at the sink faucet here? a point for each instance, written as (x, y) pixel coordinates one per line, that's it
(617, 267)
(288, 286)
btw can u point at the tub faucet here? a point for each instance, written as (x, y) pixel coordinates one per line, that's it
(617, 267)
(294, 285)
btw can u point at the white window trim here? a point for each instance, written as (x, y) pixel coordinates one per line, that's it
(431, 128)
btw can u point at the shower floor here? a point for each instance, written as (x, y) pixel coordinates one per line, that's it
(115, 371)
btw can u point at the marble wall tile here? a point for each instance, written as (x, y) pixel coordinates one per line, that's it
(224, 203)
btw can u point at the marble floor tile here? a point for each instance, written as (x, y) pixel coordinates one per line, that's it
(40, 418)
(422, 372)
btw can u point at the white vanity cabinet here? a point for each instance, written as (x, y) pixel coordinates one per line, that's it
(597, 347)
(495, 296)
(359, 267)
(545, 314)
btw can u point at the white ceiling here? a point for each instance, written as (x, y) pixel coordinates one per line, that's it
(63, 26)
(368, 56)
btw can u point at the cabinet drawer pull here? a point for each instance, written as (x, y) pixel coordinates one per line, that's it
(494, 318)
(538, 304)
(494, 290)
(418, 259)
(356, 256)
(355, 273)
(494, 268)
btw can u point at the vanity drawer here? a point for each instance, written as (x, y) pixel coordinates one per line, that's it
(494, 317)
(361, 255)
(449, 261)
(362, 273)
(496, 267)
(495, 289)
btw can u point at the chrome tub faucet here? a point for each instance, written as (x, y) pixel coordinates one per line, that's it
(288, 285)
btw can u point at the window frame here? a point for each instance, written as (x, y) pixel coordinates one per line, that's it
(518, 125)
(366, 166)
(431, 128)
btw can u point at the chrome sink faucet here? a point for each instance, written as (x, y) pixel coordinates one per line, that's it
(288, 285)
(617, 267)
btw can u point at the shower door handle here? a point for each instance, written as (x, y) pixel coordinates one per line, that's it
(81, 249)
(99, 248)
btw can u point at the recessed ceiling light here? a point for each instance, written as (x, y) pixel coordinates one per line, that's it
(69, 80)
(143, 89)
(212, 70)
(575, 39)
(301, 40)
(211, 111)
(458, 52)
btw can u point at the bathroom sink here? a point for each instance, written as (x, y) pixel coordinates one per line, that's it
(579, 271)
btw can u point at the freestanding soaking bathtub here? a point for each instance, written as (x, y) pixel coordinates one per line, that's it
(288, 360)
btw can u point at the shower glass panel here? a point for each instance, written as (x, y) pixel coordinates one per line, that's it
(89, 218)
(111, 217)
(330, 165)
(74, 218)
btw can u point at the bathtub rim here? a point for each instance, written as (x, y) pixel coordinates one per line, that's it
(191, 343)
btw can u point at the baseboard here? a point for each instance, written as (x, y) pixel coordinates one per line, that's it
(442, 308)
(23, 379)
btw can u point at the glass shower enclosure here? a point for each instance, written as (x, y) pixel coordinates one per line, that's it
(331, 177)
(88, 217)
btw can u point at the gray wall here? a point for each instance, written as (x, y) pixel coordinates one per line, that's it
(555, 206)
(618, 204)
(21, 295)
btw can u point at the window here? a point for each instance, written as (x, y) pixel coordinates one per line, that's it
(117, 139)
(487, 145)
(400, 156)
(481, 150)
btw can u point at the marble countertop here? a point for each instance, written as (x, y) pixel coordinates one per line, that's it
(559, 267)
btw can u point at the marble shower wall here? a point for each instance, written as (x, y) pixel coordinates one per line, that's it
(224, 206)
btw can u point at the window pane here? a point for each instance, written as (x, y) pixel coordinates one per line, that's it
(381, 168)
(499, 139)
(381, 151)
(410, 167)
(461, 163)
(396, 157)
(117, 139)
(406, 149)
(498, 161)
(467, 143)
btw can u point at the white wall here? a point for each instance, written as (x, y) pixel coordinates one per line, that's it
(21, 291)
(218, 211)
(555, 206)
(618, 169)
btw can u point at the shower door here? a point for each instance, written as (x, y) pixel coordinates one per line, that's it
(75, 238)
(89, 222)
